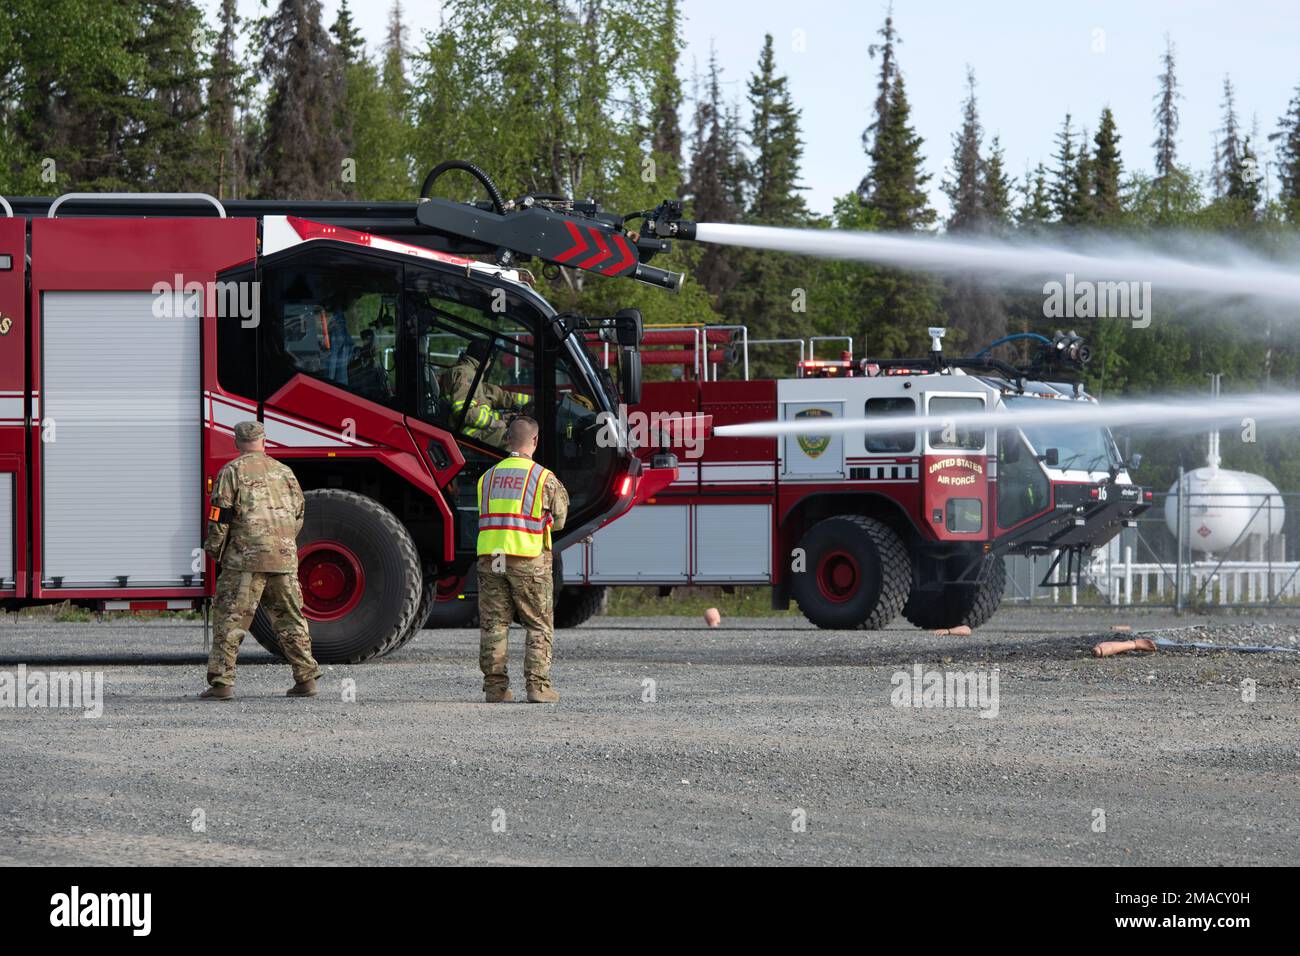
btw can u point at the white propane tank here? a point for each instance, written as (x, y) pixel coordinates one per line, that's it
(1224, 507)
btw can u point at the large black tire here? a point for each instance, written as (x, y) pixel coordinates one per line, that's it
(425, 612)
(857, 573)
(575, 605)
(393, 581)
(971, 605)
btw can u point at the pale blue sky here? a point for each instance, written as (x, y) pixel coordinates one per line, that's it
(1033, 62)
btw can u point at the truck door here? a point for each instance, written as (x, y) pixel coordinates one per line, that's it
(13, 403)
(955, 470)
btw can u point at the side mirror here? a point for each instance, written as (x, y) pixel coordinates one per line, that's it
(629, 376)
(1053, 457)
(1135, 461)
(628, 326)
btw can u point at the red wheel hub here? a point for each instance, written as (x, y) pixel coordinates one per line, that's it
(838, 576)
(332, 580)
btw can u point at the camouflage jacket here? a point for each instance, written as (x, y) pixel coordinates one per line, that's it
(555, 499)
(258, 505)
(488, 399)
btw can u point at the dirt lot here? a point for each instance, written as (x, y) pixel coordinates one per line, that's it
(766, 741)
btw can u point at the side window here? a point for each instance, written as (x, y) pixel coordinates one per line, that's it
(900, 442)
(1023, 489)
(336, 321)
(476, 364)
(237, 344)
(959, 439)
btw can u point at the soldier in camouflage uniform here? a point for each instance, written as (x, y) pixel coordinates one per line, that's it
(489, 405)
(512, 584)
(257, 511)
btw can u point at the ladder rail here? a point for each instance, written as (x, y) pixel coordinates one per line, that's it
(135, 197)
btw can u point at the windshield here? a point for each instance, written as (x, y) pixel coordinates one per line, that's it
(1078, 447)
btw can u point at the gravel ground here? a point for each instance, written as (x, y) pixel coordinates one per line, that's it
(755, 727)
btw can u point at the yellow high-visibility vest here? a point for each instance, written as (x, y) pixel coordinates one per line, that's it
(510, 519)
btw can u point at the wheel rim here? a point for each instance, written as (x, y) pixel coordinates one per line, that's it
(332, 580)
(838, 576)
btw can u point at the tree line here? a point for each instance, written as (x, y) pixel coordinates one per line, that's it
(583, 98)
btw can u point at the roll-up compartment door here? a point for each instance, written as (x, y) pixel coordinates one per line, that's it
(6, 530)
(120, 442)
(649, 543)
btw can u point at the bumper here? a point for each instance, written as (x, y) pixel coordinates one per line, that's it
(1078, 521)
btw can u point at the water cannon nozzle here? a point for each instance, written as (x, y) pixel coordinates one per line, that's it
(665, 221)
(1068, 348)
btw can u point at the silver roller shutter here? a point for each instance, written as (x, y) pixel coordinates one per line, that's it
(6, 530)
(649, 543)
(121, 481)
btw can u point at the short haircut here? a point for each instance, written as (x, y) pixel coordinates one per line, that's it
(522, 430)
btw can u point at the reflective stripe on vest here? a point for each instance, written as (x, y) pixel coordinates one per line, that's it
(480, 418)
(510, 518)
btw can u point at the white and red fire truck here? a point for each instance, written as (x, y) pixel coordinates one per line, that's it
(137, 330)
(859, 527)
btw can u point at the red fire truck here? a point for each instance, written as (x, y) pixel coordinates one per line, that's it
(137, 329)
(860, 527)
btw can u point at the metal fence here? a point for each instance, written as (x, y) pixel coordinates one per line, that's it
(1163, 562)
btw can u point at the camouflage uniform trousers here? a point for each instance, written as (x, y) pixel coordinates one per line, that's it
(526, 593)
(238, 595)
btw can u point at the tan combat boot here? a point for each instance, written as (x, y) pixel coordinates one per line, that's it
(497, 695)
(218, 692)
(306, 688)
(542, 695)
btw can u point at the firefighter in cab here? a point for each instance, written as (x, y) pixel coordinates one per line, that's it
(519, 504)
(488, 405)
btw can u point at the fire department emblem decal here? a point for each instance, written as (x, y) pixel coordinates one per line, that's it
(814, 445)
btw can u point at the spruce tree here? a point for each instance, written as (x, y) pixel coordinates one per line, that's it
(1106, 169)
(227, 96)
(302, 152)
(764, 293)
(1227, 148)
(714, 188)
(1036, 209)
(963, 188)
(666, 93)
(995, 189)
(1288, 158)
(1071, 187)
(1166, 117)
(774, 137)
(1084, 212)
(347, 38)
(897, 182)
(162, 117)
(884, 93)
(1244, 178)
